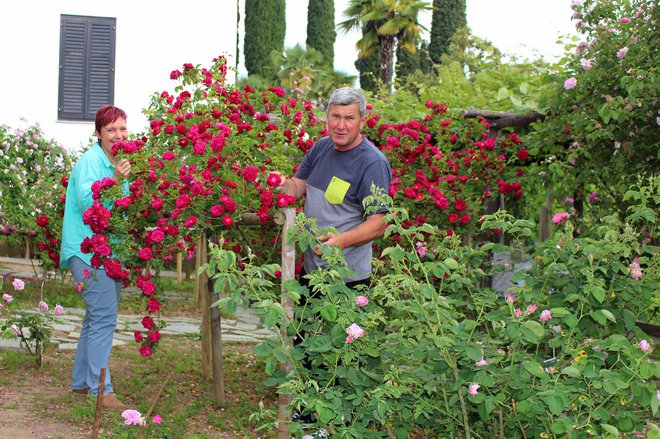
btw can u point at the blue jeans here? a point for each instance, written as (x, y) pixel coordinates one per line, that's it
(101, 295)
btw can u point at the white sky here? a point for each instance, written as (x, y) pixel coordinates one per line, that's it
(520, 27)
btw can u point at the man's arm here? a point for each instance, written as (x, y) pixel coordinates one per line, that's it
(371, 228)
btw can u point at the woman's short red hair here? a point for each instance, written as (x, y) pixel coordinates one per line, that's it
(108, 114)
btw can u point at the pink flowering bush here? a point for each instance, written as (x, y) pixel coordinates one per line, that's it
(31, 168)
(31, 327)
(437, 351)
(602, 120)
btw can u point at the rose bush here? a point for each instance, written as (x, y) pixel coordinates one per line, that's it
(32, 167)
(209, 158)
(31, 327)
(436, 352)
(601, 132)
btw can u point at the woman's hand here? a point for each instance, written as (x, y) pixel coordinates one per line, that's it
(122, 169)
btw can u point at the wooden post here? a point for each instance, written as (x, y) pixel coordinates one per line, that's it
(99, 398)
(216, 345)
(288, 272)
(27, 247)
(545, 217)
(179, 268)
(202, 298)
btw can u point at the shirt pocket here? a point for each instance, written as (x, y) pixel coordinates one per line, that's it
(336, 190)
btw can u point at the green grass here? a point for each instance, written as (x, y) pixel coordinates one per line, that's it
(187, 404)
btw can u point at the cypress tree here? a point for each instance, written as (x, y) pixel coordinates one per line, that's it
(406, 62)
(321, 33)
(265, 28)
(448, 16)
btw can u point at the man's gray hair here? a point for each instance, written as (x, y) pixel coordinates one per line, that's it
(348, 96)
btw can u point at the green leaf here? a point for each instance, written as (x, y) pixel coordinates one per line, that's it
(271, 365)
(451, 263)
(571, 372)
(532, 331)
(329, 312)
(555, 404)
(534, 368)
(321, 343)
(610, 429)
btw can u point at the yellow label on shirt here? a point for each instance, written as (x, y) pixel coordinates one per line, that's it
(336, 190)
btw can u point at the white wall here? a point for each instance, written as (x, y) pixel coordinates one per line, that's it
(153, 38)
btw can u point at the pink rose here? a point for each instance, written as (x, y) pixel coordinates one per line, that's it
(560, 218)
(635, 270)
(361, 301)
(545, 315)
(43, 306)
(644, 345)
(59, 309)
(473, 389)
(482, 362)
(622, 53)
(570, 83)
(18, 284)
(354, 331)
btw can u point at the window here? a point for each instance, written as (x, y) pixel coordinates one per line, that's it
(87, 66)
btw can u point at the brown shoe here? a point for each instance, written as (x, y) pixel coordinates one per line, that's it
(81, 392)
(110, 401)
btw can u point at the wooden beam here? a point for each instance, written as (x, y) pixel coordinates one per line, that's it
(288, 272)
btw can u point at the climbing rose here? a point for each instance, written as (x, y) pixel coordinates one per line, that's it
(361, 301)
(59, 309)
(7, 298)
(473, 389)
(570, 83)
(43, 306)
(522, 154)
(622, 53)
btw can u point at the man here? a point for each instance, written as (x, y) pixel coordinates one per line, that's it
(100, 292)
(336, 175)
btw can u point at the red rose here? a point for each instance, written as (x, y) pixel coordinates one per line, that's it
(42, 221)
(465, 218)
(153, 305)
(274, 179)
(522, 154)
(250, 174)
(217, 210)
(148, 322)
(190, 221)
(452, 218)
(157, 235)
(145, 254)
(227, 220)
(138, 336)
(145, 351)
(460, 205)
(154, 336)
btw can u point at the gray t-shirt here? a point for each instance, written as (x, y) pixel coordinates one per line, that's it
(337, 183)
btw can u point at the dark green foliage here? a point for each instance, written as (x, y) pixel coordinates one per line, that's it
(369, 68)
(265, 28)
(448, 16)
(321, 32)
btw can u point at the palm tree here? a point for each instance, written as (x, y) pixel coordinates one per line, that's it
(384, 24)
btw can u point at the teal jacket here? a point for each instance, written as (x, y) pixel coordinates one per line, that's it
(92, 166)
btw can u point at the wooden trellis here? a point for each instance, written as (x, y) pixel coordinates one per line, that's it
(205, 295)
